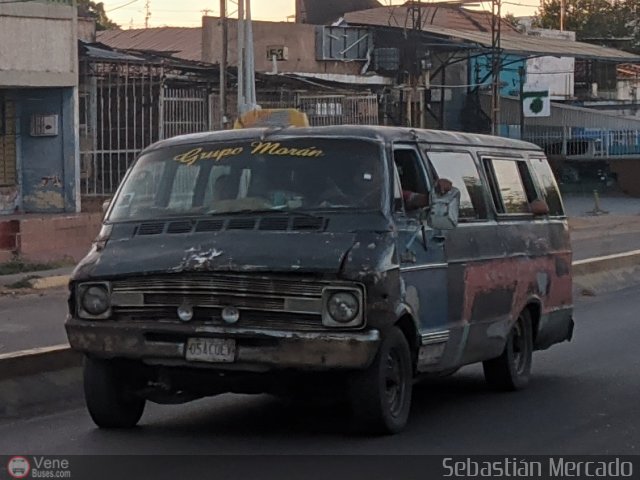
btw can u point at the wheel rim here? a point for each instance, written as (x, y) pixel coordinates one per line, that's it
(518, 347)
(394, 383)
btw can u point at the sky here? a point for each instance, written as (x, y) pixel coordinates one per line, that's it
(188, 13)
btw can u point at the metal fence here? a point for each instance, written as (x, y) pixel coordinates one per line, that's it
(578, 143)
(325, 110)
(126, 107)
(123, 109)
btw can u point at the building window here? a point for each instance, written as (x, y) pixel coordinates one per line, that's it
(8, 173)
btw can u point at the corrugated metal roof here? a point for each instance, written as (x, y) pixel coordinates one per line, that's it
(447, 16)
(95, 52)
(462, 24)
(185, 43)
(530, 45)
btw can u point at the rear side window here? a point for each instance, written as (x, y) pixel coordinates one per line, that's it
(511, 186)
(461, 170)
(548, 185)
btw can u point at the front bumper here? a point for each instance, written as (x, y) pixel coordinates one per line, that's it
(256, 350)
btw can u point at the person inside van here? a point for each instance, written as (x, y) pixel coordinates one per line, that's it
(414, 200)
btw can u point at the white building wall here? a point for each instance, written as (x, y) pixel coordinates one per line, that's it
(38, 45)
(552, 73)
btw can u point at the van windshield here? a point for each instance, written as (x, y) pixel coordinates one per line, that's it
(221, 178)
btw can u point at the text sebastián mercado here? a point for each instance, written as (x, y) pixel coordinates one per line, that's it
(553, 467)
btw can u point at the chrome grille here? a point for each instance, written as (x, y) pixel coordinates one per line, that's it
(212, 317)
(216, 283)
(264, 302)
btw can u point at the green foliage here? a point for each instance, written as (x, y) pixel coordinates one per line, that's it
(25, 283)
(88, 8)
(17, 265)
(511, 19)
(594, 20)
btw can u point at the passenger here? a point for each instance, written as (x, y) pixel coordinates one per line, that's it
(414, 201)
(223, 189)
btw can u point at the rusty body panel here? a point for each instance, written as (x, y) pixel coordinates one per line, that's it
(460, 291)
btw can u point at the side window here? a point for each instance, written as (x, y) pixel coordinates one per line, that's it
(546, 180)
(460, 168)
(512, 187)
(412, 177)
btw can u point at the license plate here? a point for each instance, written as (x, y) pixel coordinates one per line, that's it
(212, 350)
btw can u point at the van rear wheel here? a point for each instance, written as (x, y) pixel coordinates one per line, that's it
(380, 396)
(512, 369)
(108, 391)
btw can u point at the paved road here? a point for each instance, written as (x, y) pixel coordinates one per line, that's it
(583, 400)
(37, 321)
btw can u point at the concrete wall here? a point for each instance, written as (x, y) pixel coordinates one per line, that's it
(629, 90)
(628, 172)
(38, 45)
(480, 71)
(86, 29)
(48, 163)
(298, 38)
(553, 73)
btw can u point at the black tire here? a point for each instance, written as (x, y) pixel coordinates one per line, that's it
(511, 370)
(108, 395)
(380, 396)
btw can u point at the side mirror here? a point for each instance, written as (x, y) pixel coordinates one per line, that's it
(539, 208)
(444, 206)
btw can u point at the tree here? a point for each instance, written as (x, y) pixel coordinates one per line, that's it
(511, 19)
(594, 20)
(95, 10)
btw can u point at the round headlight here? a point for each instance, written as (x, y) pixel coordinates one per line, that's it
(95, 300)
(343, 307)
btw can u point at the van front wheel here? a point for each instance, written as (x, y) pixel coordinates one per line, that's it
(109, 397)
(381, 395)
(511, 370)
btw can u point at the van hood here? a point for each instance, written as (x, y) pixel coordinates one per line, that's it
(284, 252)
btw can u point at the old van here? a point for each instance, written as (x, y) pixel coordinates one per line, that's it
(271, 260)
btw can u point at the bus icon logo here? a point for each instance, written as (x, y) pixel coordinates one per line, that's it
(18, 467)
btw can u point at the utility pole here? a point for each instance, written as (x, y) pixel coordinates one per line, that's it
(223, 64)
(521, 74)
(147, 13)
(563, 12)
(246, 60)
(496, 63)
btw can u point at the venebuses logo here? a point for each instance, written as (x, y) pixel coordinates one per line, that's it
(18, 467)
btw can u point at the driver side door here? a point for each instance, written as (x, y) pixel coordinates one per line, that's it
(423, 266)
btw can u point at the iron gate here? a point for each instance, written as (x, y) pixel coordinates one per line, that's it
(124, 108)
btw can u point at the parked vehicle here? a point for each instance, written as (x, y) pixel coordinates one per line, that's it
(349, 259)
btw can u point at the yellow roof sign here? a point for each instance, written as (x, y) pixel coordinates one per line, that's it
(274, 117)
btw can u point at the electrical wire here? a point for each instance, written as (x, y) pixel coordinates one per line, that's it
(121, 6)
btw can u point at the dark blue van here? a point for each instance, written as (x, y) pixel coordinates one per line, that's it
(348, 259)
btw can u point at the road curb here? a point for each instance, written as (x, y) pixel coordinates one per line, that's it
(617, 261)
(37, 360)
(50, 282)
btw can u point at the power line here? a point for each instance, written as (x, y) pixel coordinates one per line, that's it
(121, 6)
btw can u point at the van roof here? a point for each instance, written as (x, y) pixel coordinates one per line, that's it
(386, 134)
